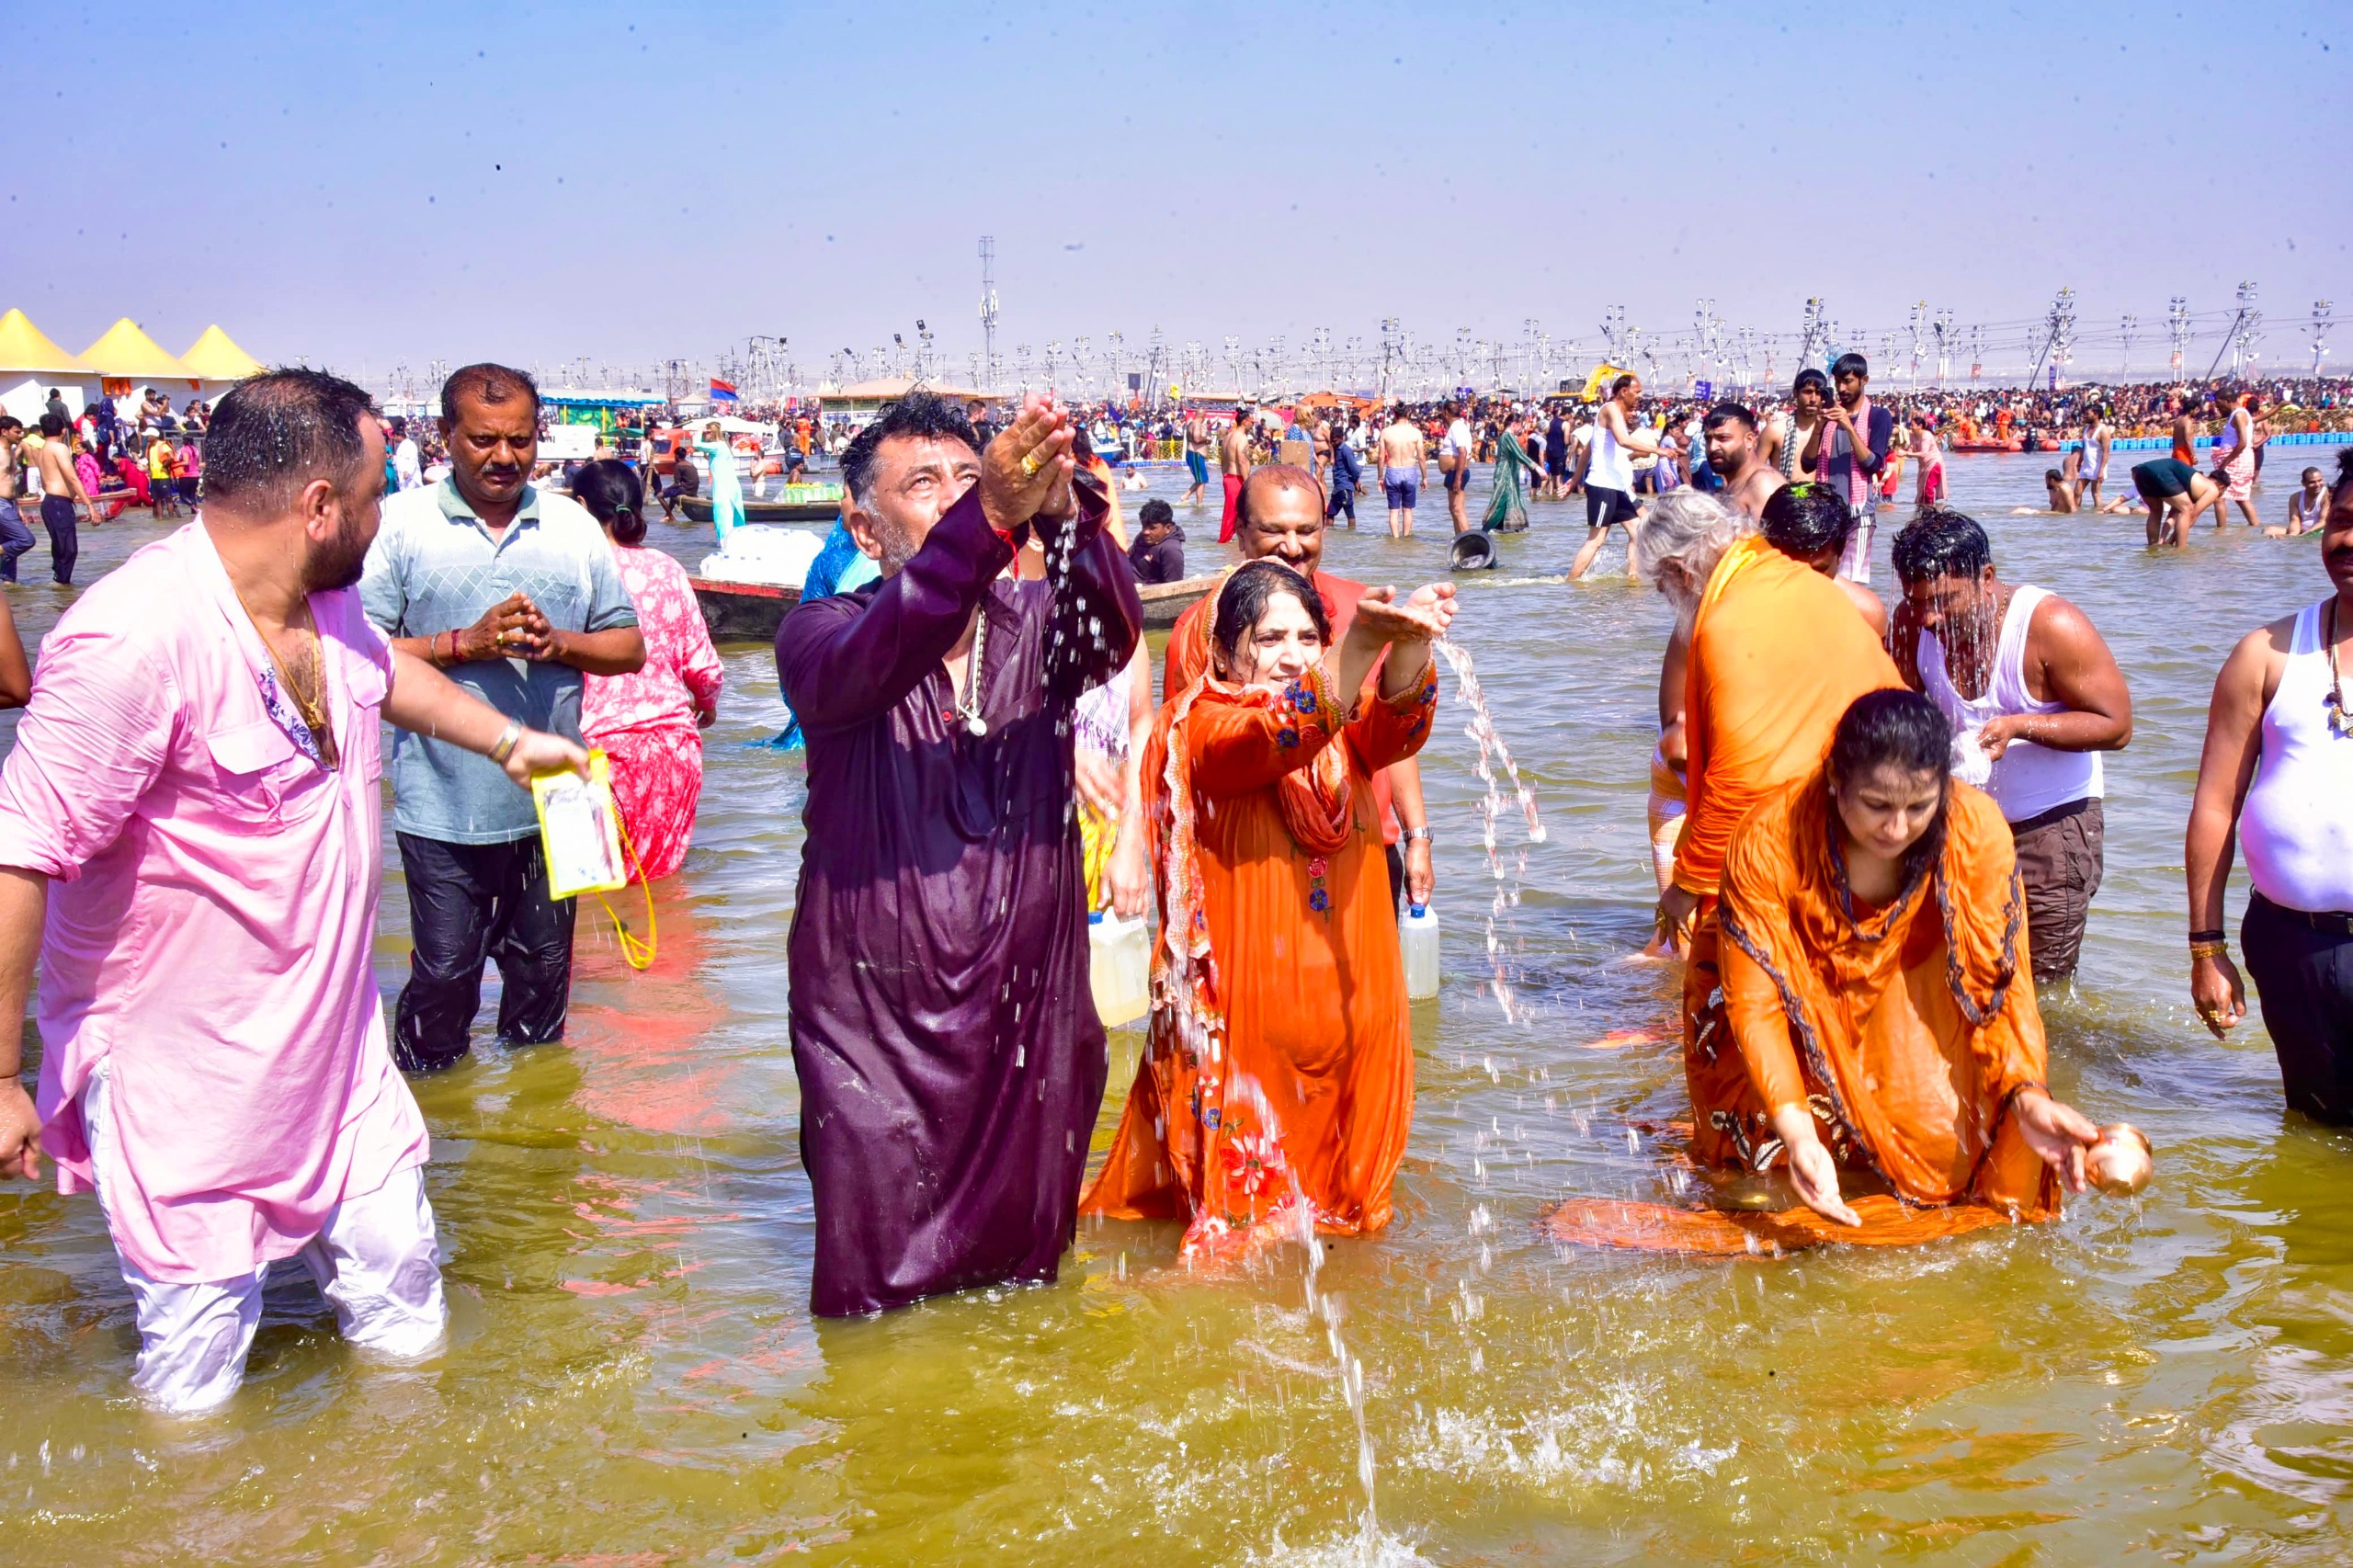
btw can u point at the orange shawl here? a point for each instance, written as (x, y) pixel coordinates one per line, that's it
(1278, 1068)
(1906, 1030)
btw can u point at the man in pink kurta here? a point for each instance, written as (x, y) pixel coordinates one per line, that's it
(199, 801)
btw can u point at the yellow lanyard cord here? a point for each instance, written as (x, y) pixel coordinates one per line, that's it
(639, 954)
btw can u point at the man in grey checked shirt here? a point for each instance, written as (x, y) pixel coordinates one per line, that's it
(514, 592)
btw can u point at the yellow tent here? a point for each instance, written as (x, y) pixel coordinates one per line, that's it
(126, 353)
(23, 347)
(216, 358)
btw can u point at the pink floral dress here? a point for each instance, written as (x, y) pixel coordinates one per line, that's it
(645, 721)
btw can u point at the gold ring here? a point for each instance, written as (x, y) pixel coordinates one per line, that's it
(1030, 465)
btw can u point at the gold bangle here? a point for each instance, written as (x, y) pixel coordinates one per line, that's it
(2208, 951)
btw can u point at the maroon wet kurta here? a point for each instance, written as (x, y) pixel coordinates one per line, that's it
(949, 1057)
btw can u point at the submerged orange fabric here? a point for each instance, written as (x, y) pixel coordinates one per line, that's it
(1290, 1056)
(1778, 656)
(1866, 1018)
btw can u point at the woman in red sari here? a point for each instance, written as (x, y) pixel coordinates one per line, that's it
(1281, 1062)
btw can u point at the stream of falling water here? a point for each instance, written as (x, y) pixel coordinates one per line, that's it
(1492, 750)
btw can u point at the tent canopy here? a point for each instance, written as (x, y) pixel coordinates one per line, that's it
(23, 347)
(127, 352)
(216, 358)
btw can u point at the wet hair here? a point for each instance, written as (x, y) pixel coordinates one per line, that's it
(1725, 414)
(1806, 518)
(10, 422)
(276, 432)
(614, 496)
(1154, 513)
(1621, 382)
(487, 383)
(1243, 602)
(1274, 476)
(1942, 542)
(2308, 473)
(52, 425)
(1850, 365)
(1810, 377)
(1895, 727)
(920, 416)
(2053, 475)
(2344, 470)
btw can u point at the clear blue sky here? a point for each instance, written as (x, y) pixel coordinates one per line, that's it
(361, 183)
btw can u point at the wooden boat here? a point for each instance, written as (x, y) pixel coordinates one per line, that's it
(698, 510)
(751, 612)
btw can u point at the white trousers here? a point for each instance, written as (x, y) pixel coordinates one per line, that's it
(376, 1260)
(1855, 561)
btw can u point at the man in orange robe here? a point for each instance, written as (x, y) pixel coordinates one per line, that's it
(1777, 653)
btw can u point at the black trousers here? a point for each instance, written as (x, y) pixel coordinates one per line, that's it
(64, 536)
(469, 903)
(2304, 977)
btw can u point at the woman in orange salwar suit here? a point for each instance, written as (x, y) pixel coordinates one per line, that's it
(1281, 1062)
(1880, 1005)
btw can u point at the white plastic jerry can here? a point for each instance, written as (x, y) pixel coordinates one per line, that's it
(1118, 968)
(1418, 943)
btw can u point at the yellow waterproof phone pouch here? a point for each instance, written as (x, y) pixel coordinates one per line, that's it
(582, 838)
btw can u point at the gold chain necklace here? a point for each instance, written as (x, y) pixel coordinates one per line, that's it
(311, 706)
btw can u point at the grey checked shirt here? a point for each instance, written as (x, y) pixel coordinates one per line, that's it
(434, 568)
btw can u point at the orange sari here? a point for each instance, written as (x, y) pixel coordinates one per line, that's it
(1778, 656)
(1280, 1063)
(1906, 1030)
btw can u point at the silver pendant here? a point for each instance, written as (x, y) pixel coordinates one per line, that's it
(975, 725)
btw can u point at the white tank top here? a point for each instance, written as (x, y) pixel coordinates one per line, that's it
(2297, 824)
(1610, 469)
(2029, 779)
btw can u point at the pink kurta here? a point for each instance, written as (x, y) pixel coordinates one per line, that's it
(645, 721)
(210, 916)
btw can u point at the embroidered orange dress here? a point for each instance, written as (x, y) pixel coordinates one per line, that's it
(1280, 1063)
(1906, 1030)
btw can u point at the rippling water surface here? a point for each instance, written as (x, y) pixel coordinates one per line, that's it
(629, 1241)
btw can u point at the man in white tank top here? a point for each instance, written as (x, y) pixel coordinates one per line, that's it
(2034, 697)
(2278, 772)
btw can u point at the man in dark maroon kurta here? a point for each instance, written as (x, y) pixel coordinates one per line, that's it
(950, 1056)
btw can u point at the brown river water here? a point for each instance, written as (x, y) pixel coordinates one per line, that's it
(628, 1235)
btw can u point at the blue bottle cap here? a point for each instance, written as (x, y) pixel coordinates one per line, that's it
(1418, 909)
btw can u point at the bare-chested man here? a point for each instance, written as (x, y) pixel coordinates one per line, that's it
(1197, 459)
(1234, 462)
(1405, 464)
(1737, 456)
(60, 487)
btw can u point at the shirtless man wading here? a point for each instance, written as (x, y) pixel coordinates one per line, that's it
(1405, 464)
(1234, 462)
(60, 487)
(1738, 458)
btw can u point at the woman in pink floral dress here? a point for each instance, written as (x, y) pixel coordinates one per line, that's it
(650, 724)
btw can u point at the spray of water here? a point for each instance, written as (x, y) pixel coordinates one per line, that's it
(1298, 1217)
(1492, 750)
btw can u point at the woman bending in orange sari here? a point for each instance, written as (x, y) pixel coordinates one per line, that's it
(1875, 983)
(1280, 1063)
